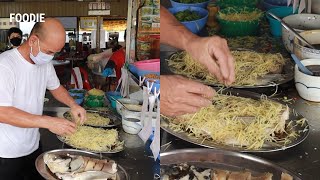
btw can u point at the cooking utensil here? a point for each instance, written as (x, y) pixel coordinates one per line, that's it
(221, 159)
(47, 174)
(302, 130)
(285, 25)
(301, 66)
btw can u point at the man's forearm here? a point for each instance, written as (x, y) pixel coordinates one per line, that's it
(173, 32)
(62, 95)
(16, 117)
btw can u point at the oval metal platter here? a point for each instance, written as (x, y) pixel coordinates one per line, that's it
(269, 80)
(115, 120)
(221, 159)
(47, 174)
(92, 151)
(302, 130)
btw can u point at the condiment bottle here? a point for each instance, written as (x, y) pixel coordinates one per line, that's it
(213, 10)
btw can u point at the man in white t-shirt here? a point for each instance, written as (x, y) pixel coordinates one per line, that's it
(25, 74)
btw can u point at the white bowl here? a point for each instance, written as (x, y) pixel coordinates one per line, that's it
(137, 115)
(308, 86)
(131, 125)
(125, 101)
(137, 96)
(130, 114)
(303, 52)
(300, 23)
(128, 101)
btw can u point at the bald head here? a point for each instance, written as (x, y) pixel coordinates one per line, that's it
(51, 32)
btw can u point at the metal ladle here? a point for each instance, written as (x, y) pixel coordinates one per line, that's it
(285, 25)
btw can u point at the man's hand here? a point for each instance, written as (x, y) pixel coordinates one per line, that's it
(60, 126)
(78, 113)
(213, 52)
(182, 96)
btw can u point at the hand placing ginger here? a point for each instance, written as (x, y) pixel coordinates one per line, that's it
(180, 95)
(183, 96)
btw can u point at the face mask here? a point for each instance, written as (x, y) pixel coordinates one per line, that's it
(16, 41)
(40, 58)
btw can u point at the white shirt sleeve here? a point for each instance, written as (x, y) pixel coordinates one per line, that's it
(7, 84)
(53, 80)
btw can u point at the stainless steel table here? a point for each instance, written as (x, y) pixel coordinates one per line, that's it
(136, 159)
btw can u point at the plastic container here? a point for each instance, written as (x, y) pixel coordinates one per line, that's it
(77, 92)
(201, 5)
(138, 72)
(93, 97)
(146, 11)
(238, 28)
(275, 25)
(94, 103)
(156, 10)
(237, 3)
(277, 2)
(267, 6)
(79, 101)
(197, 25)
(148, 65)
(115, 95)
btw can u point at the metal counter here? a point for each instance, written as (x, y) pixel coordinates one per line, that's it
(303, 159)
(136, 158)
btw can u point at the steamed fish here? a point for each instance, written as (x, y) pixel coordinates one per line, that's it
(70, 167)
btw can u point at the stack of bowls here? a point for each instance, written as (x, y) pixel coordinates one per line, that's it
(300, 23)
(199, 8)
